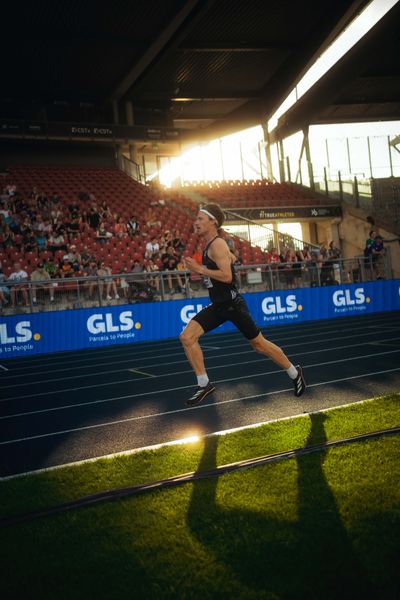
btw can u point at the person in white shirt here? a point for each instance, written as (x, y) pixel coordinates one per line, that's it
(152, 248)
(18, 275)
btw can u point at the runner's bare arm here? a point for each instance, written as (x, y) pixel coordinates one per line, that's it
(220, 254)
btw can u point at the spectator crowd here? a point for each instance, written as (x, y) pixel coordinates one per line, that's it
(44, 238)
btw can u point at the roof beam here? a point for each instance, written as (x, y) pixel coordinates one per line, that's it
(162, 41)
(229, 47)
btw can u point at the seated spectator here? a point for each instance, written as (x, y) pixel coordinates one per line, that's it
(152, 248)
(41, 241)
(178, 243)
(29, 243)
(56, 242)
(120, 228)
(74, 258)
(169, 262)
(132, 226)
(73, 210)
(56, 216)
(17, 277)
(151, 219)
(86, 257)
(51, 268)
(41, 276)
(83, 196)
(93, 218)
(65, 269)
(7, 239)
(38, 224)
(102, 235)
(73, 228)
(105, 273)
(104, 211)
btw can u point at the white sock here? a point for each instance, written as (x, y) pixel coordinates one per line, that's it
(202, 380)
(292, 372)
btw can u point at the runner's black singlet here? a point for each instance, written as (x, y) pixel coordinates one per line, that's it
(219, 291)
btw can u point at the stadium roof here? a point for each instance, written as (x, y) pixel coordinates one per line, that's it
(210, 67)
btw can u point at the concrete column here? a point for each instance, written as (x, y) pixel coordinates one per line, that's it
(129, 113)
(115, 112)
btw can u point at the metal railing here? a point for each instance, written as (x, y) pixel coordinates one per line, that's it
(258, 234)
(131, 288)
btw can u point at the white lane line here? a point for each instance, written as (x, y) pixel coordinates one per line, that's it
(229, 380)
(158, 362)
(260, 359)
(3, 368)
(188, 408)
(208, 347)
(182, 441)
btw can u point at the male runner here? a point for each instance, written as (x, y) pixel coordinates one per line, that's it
(226, 305)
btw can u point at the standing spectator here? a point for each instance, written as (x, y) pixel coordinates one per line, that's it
(91, 270)
(334, 254)
(169, 263)
(153, 280)
(41, 276)
(378, 251)
(4, 289)
(17, 277)
(105, 273)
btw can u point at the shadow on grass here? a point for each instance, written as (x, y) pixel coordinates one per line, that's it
(309, 556)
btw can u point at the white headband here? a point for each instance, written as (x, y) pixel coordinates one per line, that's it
(209, 214)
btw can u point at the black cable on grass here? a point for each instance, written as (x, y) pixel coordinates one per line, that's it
(120, 493)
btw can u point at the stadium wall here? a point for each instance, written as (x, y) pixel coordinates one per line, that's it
(44, 153)
(38, 333)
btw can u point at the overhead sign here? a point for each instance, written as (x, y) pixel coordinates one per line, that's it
(295, 212)
(86, 131)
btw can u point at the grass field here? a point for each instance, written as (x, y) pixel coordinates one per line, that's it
(324, 525)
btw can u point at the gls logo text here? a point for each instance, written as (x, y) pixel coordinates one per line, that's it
(344, 298)
(189, 311)
(272, 306)
(104, 323)
(23, 333)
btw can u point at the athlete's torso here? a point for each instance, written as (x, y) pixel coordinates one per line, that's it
(219, 291)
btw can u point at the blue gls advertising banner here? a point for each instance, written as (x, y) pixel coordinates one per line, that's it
(38, 333)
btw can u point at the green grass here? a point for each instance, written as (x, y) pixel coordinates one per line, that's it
(324, 525)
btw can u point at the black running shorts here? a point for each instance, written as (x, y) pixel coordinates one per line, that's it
(236, 311)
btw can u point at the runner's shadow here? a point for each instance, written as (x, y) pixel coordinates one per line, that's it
(310, 554)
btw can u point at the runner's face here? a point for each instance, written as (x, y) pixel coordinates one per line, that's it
(203, 224)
